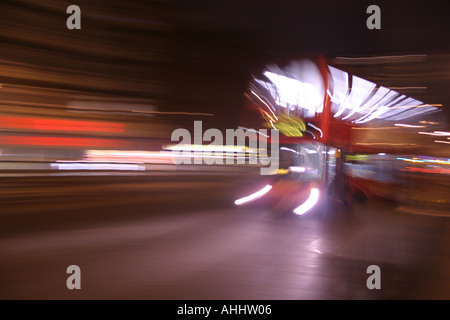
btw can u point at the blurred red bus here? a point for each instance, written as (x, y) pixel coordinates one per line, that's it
(315, 107)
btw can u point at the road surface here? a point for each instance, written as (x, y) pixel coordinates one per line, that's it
(173, 237)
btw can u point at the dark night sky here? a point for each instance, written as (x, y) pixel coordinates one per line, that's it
(218, 42)
(331, 27)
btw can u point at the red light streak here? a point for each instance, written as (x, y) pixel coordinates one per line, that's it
(423, 170)
(60, 125)
(61, 141)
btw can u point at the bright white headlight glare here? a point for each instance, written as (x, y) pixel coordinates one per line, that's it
(309, 203)
(253, 196)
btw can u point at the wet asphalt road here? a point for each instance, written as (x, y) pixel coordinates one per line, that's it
(182, 238)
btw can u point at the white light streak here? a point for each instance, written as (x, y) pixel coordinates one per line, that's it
(408, 125)
(98, 166)
(253, 196)
(292, 92)
(309, 203)
(436, 133)
(268, 107)
(297, 169)
(317, 128)
(288, 149)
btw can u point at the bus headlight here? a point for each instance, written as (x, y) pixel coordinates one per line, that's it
(309, 203)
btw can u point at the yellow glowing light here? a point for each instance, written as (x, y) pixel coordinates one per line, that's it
(282, 171)
(290, 126)
(357, 157)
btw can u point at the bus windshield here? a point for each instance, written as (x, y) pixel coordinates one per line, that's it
(303, 161)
